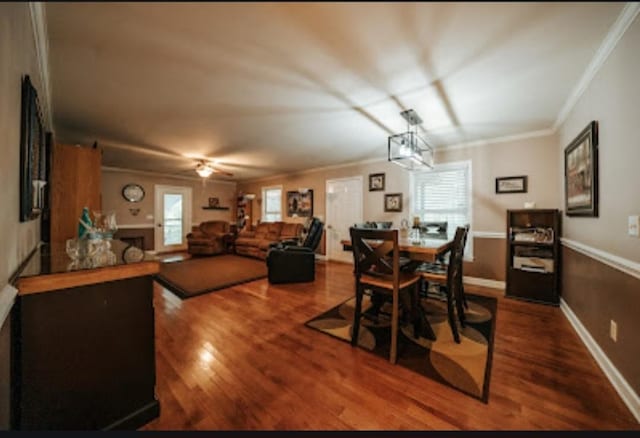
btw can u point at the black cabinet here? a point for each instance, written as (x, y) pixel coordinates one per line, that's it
(84, 357)
(533, 255)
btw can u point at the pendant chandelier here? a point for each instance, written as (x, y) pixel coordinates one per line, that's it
(408, 149)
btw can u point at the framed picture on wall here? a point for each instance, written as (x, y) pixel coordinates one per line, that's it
(511, 184)
(581, 173)
(393, 202)
(376, 182)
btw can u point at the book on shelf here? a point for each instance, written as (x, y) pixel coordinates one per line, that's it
(532, 234)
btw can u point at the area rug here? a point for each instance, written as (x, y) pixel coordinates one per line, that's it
(465, 366)
(200, 275)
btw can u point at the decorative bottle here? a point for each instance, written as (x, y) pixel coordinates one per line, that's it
(85, 224)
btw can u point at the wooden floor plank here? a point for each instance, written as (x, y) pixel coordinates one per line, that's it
(241, 358)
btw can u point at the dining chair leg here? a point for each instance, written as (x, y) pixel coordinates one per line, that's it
(460, 308)
(421, 326)
(357, 315)
(394, 328)
(452, 318)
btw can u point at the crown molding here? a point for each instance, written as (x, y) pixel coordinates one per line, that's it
(496, 140)
(39, 26)
(314, 169)
(164, 175)
(617, 30)
(620, 263)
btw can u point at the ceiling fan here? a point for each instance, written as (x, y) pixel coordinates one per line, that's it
(206, 168)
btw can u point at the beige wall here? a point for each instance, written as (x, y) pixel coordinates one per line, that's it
(612, 99)
(112, 200)
(17, 57)
(595, 292)
(534, 157)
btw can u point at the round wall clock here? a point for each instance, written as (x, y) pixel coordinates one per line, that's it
(133, 192)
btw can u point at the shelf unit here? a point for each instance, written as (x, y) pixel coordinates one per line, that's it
(214, 208)
(533, 266)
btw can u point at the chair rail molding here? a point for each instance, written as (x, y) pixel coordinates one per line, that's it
(7, 298)
(620, 263)
(489, 234)
(628, 395)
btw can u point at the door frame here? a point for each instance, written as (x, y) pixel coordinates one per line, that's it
(158, 215)
(360, 179)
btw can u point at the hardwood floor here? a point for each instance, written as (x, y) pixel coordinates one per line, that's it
(241, 358)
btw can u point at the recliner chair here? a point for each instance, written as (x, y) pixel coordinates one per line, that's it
(289, 263)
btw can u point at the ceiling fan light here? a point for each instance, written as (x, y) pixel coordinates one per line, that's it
(204, 170)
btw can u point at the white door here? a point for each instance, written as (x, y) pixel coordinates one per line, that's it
(344, 208)
(173, 217)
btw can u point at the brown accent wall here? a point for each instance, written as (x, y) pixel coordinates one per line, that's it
(598, 293)
(489, 259)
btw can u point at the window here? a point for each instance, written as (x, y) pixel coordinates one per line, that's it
(444, 194)
(272, 204)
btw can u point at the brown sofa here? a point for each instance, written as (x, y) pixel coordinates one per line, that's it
(211, 237)
(256, 243)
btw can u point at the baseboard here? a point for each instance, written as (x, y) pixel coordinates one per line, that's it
(485, 282)
(618, 381)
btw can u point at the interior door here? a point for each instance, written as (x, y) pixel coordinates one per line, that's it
(344, 208)
(173, 217)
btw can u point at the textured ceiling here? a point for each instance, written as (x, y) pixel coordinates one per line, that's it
(268, 88)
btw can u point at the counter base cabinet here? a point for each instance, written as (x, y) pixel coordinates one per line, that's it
(85, 357)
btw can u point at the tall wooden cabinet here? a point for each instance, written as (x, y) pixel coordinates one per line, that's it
(75, 183)
(533, 255)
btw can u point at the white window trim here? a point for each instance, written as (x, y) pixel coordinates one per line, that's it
(469, 250)
(263, 212)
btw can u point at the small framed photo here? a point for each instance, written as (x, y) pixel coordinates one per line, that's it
(511, 184)
(214, 202)
(393, 202)
(376, 182)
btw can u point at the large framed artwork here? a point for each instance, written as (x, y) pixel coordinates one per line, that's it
(581, 173)
(300, 203)
(33, 156)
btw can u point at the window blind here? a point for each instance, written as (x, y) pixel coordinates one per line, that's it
(444, 194)
(271, 204)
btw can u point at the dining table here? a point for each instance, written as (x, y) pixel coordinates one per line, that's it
(429, 247)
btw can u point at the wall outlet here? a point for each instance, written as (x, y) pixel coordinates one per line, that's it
(613, 331)
(634, 225)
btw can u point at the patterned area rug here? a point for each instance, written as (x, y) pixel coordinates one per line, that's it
(465, 366)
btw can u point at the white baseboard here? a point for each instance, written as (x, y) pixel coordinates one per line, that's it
(485, 282)
(620, 384)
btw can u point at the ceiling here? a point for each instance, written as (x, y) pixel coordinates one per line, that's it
(272, 88)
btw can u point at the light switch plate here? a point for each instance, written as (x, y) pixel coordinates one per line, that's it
(634, 226)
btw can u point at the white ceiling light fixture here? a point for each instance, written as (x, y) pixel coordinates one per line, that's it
(408, 149)
(203, 169)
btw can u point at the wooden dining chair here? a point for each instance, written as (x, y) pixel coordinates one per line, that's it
(375, 270)
(449, 281)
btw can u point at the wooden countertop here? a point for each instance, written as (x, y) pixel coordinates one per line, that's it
(49, 268)
(63, 280)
